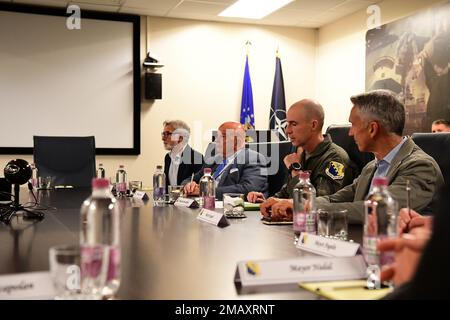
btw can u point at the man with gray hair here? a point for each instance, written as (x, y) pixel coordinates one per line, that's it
(182, 161)
(378, 119)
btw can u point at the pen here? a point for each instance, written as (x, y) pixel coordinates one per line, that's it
(192, 177)
(408, 197)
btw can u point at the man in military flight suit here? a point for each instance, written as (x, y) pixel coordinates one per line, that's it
(378, 120)
(329, 164)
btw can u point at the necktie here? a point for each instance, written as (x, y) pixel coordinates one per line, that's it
(219, 169)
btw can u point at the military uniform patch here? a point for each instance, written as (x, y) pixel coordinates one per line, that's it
(335, 170)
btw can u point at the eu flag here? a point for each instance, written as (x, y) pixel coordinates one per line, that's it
(247, 115)
(278, 106)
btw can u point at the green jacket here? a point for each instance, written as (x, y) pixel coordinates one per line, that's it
(329, 167)
(410, 163)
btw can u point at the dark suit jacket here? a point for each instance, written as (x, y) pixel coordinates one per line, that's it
(191, 162)
(248, 172)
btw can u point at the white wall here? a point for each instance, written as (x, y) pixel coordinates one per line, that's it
(341, 56)
(202, 81)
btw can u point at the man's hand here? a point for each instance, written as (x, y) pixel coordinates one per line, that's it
(408, 250)
(266, 207)
(255, 197)
(192, 189)
(410, 219)
(293, 157)
(283, 210)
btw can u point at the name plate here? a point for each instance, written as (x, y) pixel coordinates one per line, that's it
(293, 271)
(326, 246)
(186, 202)
(140, 195)
(30, 285)
(212, 217)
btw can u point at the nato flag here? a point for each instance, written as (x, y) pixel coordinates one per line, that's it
(278, 106)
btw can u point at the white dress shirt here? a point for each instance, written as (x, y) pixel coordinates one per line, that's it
(175, 156)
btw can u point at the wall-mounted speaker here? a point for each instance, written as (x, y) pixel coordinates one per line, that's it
(153, 86)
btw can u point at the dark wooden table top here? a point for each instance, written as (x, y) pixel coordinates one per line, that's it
(166, 252)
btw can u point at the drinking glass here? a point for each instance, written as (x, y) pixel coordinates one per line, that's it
(233, 203)
(175, 192)
(332, 223)
(65, 271)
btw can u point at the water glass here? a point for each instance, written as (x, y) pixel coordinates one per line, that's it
(45, 183)
(65, 271)
(233, 203)
(332, 223)
(175, 192)
(133, 186)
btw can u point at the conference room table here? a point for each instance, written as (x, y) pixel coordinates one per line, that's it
(166, 252)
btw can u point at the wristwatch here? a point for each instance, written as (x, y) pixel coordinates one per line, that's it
(295, 167)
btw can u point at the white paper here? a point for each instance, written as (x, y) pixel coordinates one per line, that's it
(326, 246)
(269, 272)
(30, 285)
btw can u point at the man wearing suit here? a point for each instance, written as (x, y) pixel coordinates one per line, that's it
(182, 161)
(235, 169)
(378, 119)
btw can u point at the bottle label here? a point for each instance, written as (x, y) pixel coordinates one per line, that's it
(370, 250)
(91, 261)
(311, 223)
(121, 187)
(158, 192)
(299, 222)
(114, 263)
(209, 202)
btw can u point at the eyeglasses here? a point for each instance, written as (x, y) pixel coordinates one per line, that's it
(166, 134)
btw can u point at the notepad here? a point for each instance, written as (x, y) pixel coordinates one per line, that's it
(248, 206)
(345, 290)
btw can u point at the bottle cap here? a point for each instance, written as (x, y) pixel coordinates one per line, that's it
(100, 183)
(100, 164)
(121, 166)
(159, 167)
(380, 181)
(207, 170)
(304, 175)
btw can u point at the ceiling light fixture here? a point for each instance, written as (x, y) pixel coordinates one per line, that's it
(253, 9)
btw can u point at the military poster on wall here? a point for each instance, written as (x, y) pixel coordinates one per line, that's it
(411, 57)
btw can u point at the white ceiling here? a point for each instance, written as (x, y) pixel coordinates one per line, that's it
(299, 13)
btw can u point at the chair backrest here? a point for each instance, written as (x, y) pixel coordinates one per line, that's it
(70, 160)
(437, 145)
(339, 135)
(275, 153)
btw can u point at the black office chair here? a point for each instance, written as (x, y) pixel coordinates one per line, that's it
(70, 160)
(437, 145)
(339, 135)
(275, 153)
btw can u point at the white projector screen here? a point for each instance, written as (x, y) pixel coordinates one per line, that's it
(60, 82)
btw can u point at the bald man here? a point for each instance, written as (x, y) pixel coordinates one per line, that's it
(235, 169)
(329, 164)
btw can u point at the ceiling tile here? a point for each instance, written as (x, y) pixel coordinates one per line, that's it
(314, 5)
(96, 7)
(52, 3)
(201, 8)
(152, 5)
(352, 6)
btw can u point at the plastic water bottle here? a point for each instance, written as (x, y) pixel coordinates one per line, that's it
(159, 186)
(121, 181)
(304, 215)
(100, 242)
(34, 176)
(380, 222)
(101, 171)
(208, 190)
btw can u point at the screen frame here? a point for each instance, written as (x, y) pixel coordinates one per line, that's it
(95, 15)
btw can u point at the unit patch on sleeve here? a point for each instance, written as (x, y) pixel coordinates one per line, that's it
(335, 170)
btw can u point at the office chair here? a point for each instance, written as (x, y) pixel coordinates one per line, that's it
(275, 153)
(339, 135)
(70, 160)
(437, 145)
